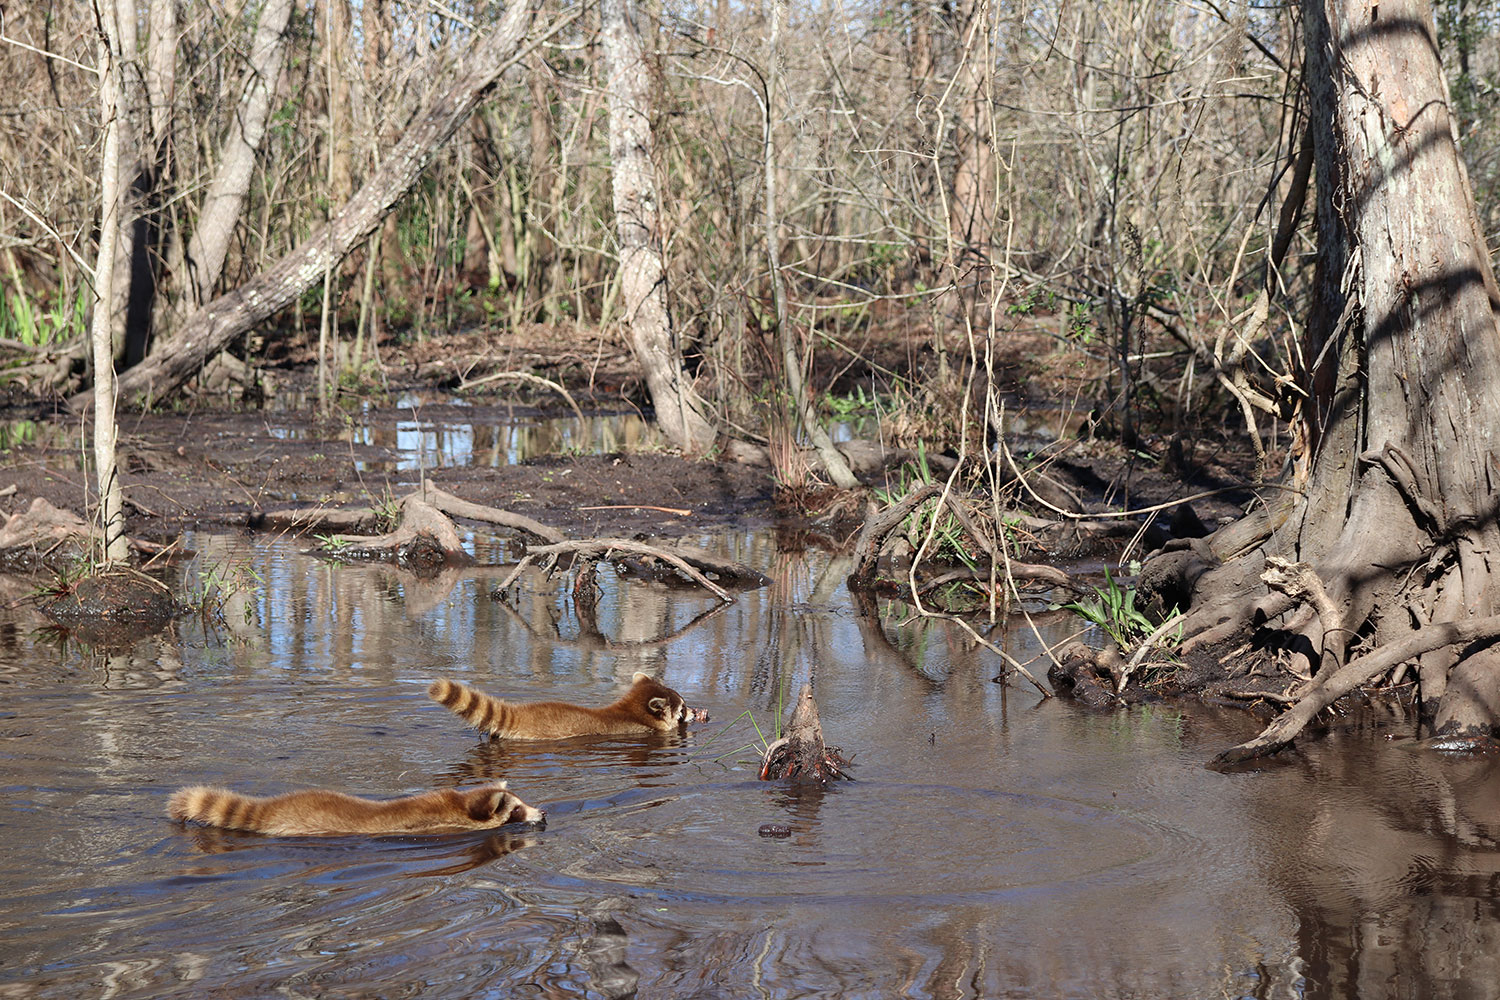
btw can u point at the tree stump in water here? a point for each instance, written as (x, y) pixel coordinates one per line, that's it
(801, 753)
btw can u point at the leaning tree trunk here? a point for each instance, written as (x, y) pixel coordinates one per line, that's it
(643, 278)
(211, 328)
(1396, 512)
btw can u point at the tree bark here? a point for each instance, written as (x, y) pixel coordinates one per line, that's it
(111, 500)
(680, 411)
(1398, 510)
(793, 364)
(972, 215)
(214, 231)
(213, 326)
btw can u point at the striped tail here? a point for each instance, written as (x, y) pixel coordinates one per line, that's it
(213, 807)
(484, 712)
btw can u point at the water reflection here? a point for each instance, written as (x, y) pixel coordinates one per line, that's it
(1396, 895)
(994, 844)
(410, 433)
(448, 435)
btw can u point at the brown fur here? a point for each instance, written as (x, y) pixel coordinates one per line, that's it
(648, 707)
(318, 811)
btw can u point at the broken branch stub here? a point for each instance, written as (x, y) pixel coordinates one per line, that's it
(801, 753)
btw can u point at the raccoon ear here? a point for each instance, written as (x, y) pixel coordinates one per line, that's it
(639, 676)
(657, 706)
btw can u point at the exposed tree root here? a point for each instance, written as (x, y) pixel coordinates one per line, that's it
(46, 536)
(1327, 689)
(1299, 582)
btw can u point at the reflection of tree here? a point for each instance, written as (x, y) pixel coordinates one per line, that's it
(603, 953)
(803, 800)
(933, 649)
(644, 619)
(1395, 895)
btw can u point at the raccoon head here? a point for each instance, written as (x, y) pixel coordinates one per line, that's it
(495, 805)
(665, 707)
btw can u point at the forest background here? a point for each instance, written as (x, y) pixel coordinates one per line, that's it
(1122, 179)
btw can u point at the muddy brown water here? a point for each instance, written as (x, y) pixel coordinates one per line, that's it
(994, 844)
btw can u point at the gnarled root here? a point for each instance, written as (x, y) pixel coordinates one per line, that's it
(1328, 688)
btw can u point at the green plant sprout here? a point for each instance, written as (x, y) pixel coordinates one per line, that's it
(1113, 609)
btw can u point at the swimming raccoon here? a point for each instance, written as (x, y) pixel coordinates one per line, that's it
(648, 707)
(318, 811)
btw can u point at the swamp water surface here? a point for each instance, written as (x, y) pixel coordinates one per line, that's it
(995, 844)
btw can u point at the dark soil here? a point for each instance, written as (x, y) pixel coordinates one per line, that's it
(206, 470)
(211, 466)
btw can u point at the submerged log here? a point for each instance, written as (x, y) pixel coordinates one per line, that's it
(801, 753)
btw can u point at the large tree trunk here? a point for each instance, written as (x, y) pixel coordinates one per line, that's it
(212, 327)
(643, 280)
(1397, 510)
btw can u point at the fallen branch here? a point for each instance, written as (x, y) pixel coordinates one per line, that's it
(326, 519)
(639, 506)
(1050, 575)
(880, 524)
(1251, 695)
(523, 377)
(458, 507)
(608, 547)
(1327, 689)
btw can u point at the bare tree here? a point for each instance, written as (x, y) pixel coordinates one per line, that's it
(213, 326)
(111, 500)
(225, 198)
(643, 278)
(794, 361)
(1393, 506)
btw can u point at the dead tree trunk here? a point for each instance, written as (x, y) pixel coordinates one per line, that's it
(643, 278)
(1396, 510)
(212, 327)
(214, 232)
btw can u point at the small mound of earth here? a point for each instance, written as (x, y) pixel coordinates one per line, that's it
(115, 595)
